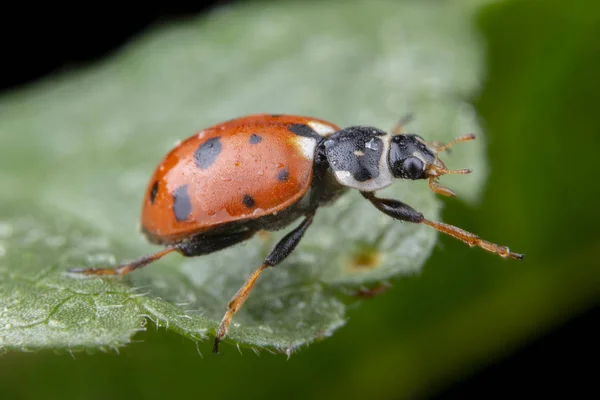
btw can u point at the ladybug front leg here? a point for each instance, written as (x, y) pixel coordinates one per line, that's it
(404, 212)
(281, 250)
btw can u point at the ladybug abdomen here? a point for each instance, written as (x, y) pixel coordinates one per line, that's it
(242, 169)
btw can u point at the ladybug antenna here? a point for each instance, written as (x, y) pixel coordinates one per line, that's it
(438, 168)
(438, 147)
(405, 120)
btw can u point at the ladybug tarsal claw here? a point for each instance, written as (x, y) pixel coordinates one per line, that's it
(515, 256)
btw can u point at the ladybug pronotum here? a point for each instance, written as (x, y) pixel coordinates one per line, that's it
(262, 172)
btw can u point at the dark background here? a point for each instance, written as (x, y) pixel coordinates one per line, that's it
(36, 44)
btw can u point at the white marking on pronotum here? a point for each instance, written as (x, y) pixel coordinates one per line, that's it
(359, 153)
(306, 145)
(321, 128)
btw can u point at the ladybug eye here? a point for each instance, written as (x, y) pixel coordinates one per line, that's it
(413, 168)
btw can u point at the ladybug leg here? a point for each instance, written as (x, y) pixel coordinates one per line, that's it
(404, 212)
(206, 244)
(196, 246)
(124, 268)
(399, 126)
(281, 250)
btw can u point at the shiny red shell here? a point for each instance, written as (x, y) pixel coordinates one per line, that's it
(237, 170)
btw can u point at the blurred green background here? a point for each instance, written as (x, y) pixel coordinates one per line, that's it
(538, 106)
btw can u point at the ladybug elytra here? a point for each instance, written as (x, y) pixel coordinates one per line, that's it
(262, 172)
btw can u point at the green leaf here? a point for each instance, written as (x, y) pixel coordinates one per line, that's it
(77, 151)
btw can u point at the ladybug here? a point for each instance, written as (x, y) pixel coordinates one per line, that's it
(262, 172)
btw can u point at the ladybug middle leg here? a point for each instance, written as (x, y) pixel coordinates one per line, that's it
(403, 212)
(281, 250)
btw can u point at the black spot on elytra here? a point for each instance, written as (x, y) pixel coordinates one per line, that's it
(182, 207)
(153, 192)
(283, 175)
(303, 130)
(207, 153)
(276, 115)
(255, 139)
(248, 201)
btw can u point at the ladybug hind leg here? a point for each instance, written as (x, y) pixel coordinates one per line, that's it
(125, 268)
(281, 250)
(196, 246)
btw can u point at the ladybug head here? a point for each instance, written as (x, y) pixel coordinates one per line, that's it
(409, 157)
(368, 159)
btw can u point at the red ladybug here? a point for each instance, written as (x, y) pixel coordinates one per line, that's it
(262, 172)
